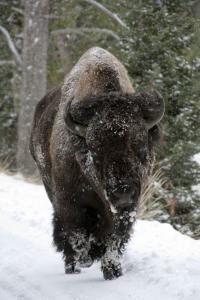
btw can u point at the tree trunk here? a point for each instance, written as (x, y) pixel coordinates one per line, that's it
(34, 77)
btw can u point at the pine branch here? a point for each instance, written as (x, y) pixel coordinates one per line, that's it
(6, 62)
(107, 11)
(11, 45)
(84, 30)
(18, 10)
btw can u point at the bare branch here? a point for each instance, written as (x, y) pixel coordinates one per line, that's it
(11, 45)
(107, 11)
(7, 62)
(83, 30)
(54, 17)
(18, 10)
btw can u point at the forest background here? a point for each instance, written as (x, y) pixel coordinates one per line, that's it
(159, 43)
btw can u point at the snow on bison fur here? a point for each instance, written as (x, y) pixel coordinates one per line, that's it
(93, 140)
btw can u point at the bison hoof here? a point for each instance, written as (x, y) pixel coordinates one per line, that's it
(113, 272)
(72, 269)
(86, 262)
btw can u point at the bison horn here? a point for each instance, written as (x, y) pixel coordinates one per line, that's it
(153, 107)
(74, 127)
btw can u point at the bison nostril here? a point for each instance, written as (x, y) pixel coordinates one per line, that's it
(134, 197)
(123, 194)
(122, 190)
(133, 194)
(126, 196)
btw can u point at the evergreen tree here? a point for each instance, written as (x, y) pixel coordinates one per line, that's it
(11, 20)
(160, 54)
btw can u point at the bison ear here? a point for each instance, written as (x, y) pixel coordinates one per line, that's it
(152, 106)
(73, 126)
(78, 113)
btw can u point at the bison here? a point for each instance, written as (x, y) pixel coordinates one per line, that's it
(93, 141)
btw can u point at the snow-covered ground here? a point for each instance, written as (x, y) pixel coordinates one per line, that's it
(160, 263)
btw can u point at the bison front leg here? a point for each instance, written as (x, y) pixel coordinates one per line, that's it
(115, 245)
(110, 262)
(64, 241)
(70, 259)
(80, 245)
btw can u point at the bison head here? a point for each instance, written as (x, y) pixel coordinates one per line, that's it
(116, 132)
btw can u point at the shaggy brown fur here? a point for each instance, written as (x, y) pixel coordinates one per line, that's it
(93, 143)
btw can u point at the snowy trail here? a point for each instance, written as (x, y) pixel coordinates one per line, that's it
(160, 263)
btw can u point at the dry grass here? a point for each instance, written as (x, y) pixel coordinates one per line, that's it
(5, 165)
(6, 168)
(35, 178)
(150, 202)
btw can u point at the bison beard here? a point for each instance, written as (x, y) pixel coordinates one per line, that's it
(93, 143)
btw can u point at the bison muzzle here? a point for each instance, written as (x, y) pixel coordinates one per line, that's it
(93, 140)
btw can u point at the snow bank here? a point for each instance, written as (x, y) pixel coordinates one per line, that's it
(160, 263)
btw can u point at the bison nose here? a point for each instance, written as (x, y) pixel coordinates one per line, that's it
(126, 195)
